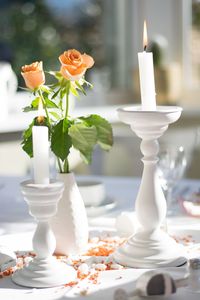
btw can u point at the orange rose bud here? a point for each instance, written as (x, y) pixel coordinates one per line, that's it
(74, 64)
(33, 75)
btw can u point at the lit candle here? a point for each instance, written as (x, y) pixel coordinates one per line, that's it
(40, 150)
(147, 83)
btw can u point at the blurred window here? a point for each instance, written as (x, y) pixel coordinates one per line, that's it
(110, 31)
(195, 44)
(42, 29)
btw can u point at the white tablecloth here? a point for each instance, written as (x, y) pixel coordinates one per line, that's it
(16, 227)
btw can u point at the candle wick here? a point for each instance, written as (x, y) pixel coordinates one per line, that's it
(40, 120)
(145, 48)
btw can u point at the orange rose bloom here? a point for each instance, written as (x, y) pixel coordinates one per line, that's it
(74, 64)
(33, 75)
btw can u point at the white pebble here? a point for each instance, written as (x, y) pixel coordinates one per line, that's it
(116, 267)
(83, 269)
(99, 259)
(89, 261)
(100, 267)
(92, 270)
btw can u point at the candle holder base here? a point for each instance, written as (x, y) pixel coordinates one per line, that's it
(41, 273)
(150, 250)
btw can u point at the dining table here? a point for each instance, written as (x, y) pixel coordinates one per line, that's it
(17, 228)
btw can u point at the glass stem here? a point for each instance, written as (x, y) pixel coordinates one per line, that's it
(169, 198)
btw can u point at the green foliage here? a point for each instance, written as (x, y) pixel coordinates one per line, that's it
(55, 94)
(84, 138)
(55, 115)
(60, 140)
(49, 103)
(82, 133)
(157, 53)
(80, 87)
(196, 14)
(27, 145)
(33, 106)
(46, 89)
(104, 130)
(74, 91)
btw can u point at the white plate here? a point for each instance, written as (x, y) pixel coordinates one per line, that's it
(107, 205)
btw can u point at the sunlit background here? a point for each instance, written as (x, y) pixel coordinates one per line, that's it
(110, 31)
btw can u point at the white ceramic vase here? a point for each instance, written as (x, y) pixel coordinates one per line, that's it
(70, 225)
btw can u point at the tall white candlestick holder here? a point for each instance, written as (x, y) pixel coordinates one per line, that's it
(44, 270)
(150, 247)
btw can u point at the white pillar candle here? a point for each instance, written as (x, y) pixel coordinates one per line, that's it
(40, 154)
(146, 70)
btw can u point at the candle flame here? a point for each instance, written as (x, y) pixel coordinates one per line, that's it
(145, 38)
(40, 117)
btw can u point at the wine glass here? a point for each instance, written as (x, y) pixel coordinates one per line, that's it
(171, 167)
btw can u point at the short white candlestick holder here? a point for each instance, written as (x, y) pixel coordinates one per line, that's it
(150, 247)
(44, 270)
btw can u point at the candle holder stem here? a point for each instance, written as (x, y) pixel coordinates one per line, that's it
(44, 242)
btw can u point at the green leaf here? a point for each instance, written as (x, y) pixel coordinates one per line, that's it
(84, 139)
(56, 74)
(55, 94)
(80, 87)
(74, 91)
(104, 130)
(46, 89)
(28, 132)
(29, 108)
(33, 106)
(55, 115)
(60, 140)
(35, 102)
(88, 83)
(50, 104)
(54, 85)
(27, 145)
(25, 89)
(62, 92)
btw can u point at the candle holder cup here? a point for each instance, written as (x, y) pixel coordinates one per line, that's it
(150, 247)
(44, 270)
